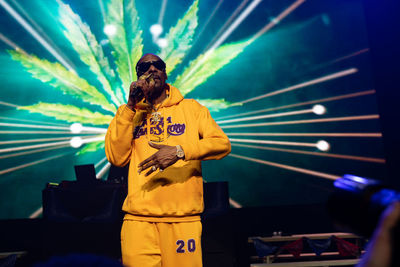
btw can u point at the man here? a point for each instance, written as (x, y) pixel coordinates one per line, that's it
(164, 138)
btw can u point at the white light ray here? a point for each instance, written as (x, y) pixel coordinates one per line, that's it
(323, 145)
(76, 142)
(209, 18)
(288, 167)
(234, 203)
(320, 154)
(319, 109)
(84, 141)
(278, 19)
(42, 32)
(39, 132)
(8, 104)
(11, 43)
(12, 149)
(24, 120)
(36, 214)
(101, 6)
(33, 126)
(302, 85)
(156, 30)
(103, 170)
(33, 140)
(237, 10)
(110, 29)
(270, 142)
(368, 135)
(84, 128)
(32, 152)
(236, 23)
(290, 113)
(162, 42)
(351, 55)
(350, 118)
(162, 12)
(223, 37)
(76, 127)
(35, 34)
(334, 61)
(94, 129)
(94, 139)
(32, 163)
(322, 100)
(100, 162)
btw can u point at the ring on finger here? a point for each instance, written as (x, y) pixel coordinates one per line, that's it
(153, 168)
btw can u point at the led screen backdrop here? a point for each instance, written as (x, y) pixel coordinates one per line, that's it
(288, 81)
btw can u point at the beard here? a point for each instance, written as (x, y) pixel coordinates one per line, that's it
(156, 91)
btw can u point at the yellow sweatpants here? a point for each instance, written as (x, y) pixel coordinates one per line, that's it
(156, 244)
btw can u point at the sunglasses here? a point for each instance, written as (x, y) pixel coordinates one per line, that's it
(142, 67)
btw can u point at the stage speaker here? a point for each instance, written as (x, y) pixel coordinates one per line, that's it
(85, 200)
(217, 238)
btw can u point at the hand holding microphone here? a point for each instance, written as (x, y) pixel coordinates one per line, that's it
(136, 89)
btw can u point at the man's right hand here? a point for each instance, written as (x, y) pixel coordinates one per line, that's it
(132, 101)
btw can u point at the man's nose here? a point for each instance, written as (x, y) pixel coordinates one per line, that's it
(152, 68)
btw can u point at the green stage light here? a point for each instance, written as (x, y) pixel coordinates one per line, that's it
(258, 61)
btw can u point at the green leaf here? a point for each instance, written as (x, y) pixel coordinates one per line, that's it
(215, 104)
(127, 41)
(206, 65)
(59, 77)
(69, 113)
(89, 50)
(179, 38)
(91, 147)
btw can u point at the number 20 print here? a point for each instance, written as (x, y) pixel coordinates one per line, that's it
(191, 246)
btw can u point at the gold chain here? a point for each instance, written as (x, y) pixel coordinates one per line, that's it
(156, 116)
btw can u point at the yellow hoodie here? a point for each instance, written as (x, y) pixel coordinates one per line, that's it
(175, 194)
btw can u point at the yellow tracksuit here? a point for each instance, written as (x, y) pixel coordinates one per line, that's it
(165, 204)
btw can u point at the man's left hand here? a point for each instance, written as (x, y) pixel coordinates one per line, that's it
(163, 158)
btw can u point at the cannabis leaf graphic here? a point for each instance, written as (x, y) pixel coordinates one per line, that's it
(127, 48)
